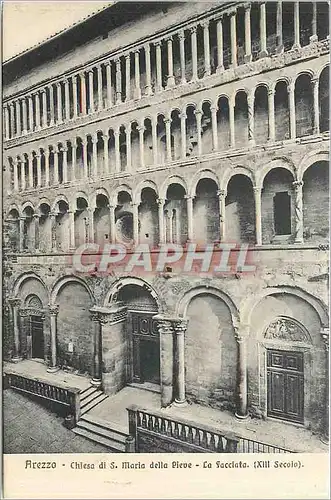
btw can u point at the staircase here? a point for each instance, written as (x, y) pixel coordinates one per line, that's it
(95, 429)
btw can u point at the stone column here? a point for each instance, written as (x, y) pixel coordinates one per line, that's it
(75, 95)
(21, 233)
(231, 121)
(83, 101)
(18, 118)
(91, 93)
(183, 134)
(167, 122)
(51, 105)
(6, 121)
(154, 141)
(30, 114)
(74, 159)
(296, 44)
(141, 130)
(135, 214)
(194, 47)
(35, 242)
(90, 224)
(109, 85)
(56, 166)
(271, 109)
(219, 35)
(44, 103)
(171, 78)
(128, 147)
(180, 329)
(233, 34)
(250, 112)
(97, 349)
(15, 167)
(198, 116)
(112, 224)
(241, 333)
(315, 84)
(117, 150)
(263, 31)
(298, 212)
(291, 103)
(127, 77)
(38, 160)
(59, 102)
(25, 116)
(279, 27)
(221, 206)
(148, 88)
(66, 100)
(15, 303)
(52, 217)
(72, 244)
(314, 37)
(100, 97)
(213, 110)
(258, 214)
(137, 91)
(94, 156)
(23, 175)
(190, 228)
(206, 46)
(65, 164)
(159, 86)
(85, 164)
(160, 203)
(31, 170)
(166, 332)
(53, 311)
(118, 81)
(105, 137)
(181, 36)
(248, 36)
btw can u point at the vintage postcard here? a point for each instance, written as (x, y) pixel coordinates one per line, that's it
(165, 249)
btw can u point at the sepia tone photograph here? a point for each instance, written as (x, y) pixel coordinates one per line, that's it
(165, 227)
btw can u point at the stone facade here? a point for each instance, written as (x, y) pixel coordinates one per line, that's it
(214, 129)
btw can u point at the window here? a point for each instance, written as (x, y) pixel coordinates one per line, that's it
(282, 213)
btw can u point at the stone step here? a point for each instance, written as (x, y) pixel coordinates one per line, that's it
(99, 398)
(110, 434)
(92, 436)
(86, 392)
(105, 424)
(90, 397)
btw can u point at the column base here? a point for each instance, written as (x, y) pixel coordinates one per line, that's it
(219, 69)
(207, 73)
(96, 382)
(241, 417)
(248, 58)
(137, 94)
(263, 53)
(180, 403)
(313, 39)
(16, 359)
(170, 82)
(296, 46)
(53, 369)
(298, 241)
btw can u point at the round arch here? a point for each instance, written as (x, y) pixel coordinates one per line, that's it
(94, 195)
(123, 187)
(203, 174)
(24, 277)
(174, 179)
(309, 159)
(237, 170)
(281, 162)
(317, 304)
(11, 207)
(186, 298)
(63, 281)
(27, 204)
(110, 297)
(136, 195)
(60, 197)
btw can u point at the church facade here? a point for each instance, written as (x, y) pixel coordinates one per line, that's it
(210, 128)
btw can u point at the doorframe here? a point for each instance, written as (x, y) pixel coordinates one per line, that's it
(28, 313)
(299, 347)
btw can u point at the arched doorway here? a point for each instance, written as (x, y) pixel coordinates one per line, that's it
(143, 335)
(35, 334)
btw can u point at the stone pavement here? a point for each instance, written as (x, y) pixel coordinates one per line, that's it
(28, 427)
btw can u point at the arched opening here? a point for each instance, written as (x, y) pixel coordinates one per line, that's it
(142, 334)
(323, 94)
(241, 119)
(12, 234)
(101, 220)
(79, 170)
(175, 134)
(148, 143)
(211, 356)
(223, 126)
(304, 106)
(191, 132)
(282, 114)
(123, 149)
(135, 149)
(206, 212)
(316, 214)
(35, 334)
(45, 228)
(278, 214)
(124, 218)
(261, 115)
(206, 129)
(28, 230)
(148, 217)
(62, 226)
(81, 222)
(161, 138)
(239, 210)
(175, 215)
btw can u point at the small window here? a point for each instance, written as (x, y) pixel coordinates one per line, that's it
(282, 213)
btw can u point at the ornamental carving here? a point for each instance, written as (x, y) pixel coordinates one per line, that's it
(287, 329)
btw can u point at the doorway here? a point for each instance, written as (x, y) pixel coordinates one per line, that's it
(37, 337)
(146, 348)
(150, 361)
(285, 387)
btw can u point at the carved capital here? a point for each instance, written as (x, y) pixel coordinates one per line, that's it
(24, 313)
(297, 184)
(325, 332)
(221, 193)
(14, 302)
(180, 326)
(193, 29)
(53, 309)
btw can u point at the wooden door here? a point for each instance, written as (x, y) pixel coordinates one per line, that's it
(37, 337)
(285, 385)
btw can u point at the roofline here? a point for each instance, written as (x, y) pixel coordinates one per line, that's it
(59, 33)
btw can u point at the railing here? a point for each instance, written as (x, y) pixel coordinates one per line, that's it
(68, 398)
(252, 446)
(156, 432)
